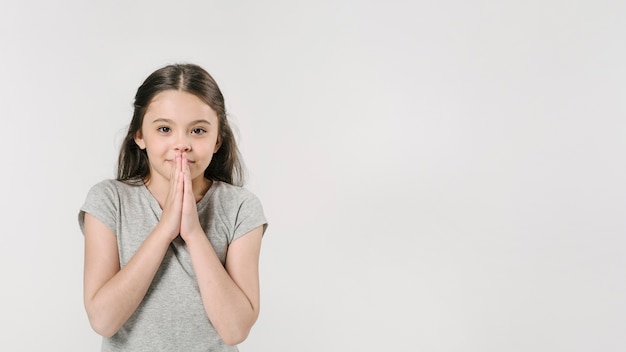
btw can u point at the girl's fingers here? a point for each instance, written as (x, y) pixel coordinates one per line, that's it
(186, 175)
(174, 171)
(185, 164)
(175, 177)
(176, 184)
(174, 203)
(189, 220)
(179, 178)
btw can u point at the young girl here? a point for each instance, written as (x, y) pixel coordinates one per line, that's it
(172, 245)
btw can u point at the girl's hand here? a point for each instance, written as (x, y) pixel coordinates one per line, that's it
(172, 209)
(189, 223)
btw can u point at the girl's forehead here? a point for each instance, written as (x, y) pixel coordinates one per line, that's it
(178, 105)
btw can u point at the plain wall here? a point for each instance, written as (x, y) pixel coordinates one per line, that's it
(438, 175)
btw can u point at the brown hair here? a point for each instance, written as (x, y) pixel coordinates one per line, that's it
(133, 166)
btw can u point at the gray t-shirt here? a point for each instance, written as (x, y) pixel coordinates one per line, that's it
(171, 316)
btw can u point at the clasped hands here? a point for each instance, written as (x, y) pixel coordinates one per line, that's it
(180, 214)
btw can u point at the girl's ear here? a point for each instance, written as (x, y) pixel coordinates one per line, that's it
(218, 144)
(139, 140)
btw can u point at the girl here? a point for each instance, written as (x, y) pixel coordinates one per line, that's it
(172, 245)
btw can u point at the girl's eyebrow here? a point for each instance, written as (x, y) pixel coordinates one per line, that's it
(200, 121)
(162, 120)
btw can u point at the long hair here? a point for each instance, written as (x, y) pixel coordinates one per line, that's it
(133, 166)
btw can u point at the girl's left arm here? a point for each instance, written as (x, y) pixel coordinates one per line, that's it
(230, 294)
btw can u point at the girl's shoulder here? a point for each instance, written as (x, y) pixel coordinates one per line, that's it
(112, 188)
(226, 191)
(226, 198)
(234, 205)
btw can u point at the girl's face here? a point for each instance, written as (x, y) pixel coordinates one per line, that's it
(177, 122)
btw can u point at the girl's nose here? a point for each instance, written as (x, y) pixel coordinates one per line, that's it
(182, 144)
(182, 147)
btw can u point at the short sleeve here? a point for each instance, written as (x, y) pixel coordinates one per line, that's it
(102, 202)
(249, 216)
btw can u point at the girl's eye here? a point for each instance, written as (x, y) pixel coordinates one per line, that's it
(163, 129)
(198, 131)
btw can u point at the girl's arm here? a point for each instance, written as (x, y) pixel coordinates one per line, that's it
(112, 295)
(230, 294)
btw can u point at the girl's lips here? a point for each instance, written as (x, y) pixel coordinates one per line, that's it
(188, 161)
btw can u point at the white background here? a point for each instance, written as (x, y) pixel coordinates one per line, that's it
(438, 175)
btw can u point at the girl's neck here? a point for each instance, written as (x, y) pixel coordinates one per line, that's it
(200, 187)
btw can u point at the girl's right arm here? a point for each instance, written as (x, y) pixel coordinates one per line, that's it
(112, 294)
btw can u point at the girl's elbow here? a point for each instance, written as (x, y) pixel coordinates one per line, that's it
(236, 334)
(235, 337)
(104, 330)
(101, 325)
